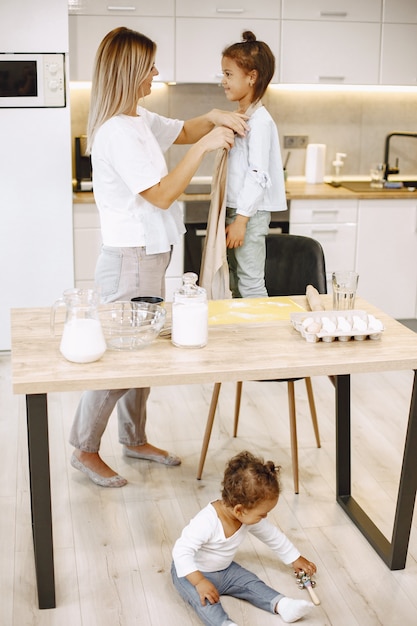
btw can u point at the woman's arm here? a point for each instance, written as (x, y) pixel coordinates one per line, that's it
(195, 128)
(174, 183)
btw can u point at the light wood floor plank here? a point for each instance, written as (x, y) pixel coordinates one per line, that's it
(113, 547)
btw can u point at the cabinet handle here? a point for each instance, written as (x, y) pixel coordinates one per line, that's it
(324, 230)
(120, 8)
(229, 10)
(331, 216)
(201, 232)
(333, 14)
(332, 78)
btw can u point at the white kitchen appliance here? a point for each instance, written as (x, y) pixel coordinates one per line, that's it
(32, 80)
(36, 231)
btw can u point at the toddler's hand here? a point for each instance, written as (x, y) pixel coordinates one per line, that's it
(207, 591)
(302, 564)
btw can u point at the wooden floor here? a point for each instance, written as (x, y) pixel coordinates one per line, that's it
(113, 546)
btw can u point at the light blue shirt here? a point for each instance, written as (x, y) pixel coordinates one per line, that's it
(255, 176)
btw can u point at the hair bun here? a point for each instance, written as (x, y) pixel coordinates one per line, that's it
(248, 35)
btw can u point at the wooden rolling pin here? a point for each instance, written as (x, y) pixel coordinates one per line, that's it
(313, 299)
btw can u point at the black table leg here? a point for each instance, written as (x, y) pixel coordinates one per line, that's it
(394, 554)
(40, 495)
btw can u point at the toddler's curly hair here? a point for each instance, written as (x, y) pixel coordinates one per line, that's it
(248, 480)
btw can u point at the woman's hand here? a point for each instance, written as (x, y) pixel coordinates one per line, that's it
(231, 119)
(207, 591)
(219, 137)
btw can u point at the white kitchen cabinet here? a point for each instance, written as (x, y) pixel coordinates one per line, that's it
(330, 52)
(200, 42)
(87, 243)
(229, 9)
(333, 223)
(399, 54)
(330, 41)
(87, 31)
(400, 11)
(349, 10)
(121, 7)
(399, 43)
(387, 255)
(87, 246)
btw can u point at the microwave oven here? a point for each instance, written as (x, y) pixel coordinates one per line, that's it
(32, 80)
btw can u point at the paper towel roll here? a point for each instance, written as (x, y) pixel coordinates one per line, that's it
(315, 160)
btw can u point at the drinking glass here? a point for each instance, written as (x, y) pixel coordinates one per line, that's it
(344, 284)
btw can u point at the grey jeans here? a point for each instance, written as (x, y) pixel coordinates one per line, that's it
(121, 274)
(235, 581)
(247, 263)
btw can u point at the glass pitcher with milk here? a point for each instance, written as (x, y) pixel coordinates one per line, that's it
(82, 338)
(190, 314)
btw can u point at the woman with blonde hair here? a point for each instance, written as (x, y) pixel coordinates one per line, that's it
(140, 220)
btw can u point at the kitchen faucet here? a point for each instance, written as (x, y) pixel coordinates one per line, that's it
(387, 169)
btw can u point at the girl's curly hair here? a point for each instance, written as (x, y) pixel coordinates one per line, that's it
(248, 480)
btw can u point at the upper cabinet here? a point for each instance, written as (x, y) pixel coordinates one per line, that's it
(120, 7)
(349, 10)
(399, 43)
(331, 41)
(204, 29)
(314, 41)
(400, 11)
(229, 9)
(87, 31)
(200, 42)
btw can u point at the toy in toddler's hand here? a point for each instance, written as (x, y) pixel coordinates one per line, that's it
(304, 581)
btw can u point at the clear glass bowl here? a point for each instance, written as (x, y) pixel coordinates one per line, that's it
(131, 325)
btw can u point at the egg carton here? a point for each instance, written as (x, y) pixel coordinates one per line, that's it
(337, 325)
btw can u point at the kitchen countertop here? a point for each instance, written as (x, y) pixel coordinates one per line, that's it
(296, 189)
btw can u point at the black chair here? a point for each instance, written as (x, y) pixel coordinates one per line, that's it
(292, 263)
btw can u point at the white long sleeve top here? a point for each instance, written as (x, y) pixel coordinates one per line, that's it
(127, 158)
(255, 175)
(203, 545)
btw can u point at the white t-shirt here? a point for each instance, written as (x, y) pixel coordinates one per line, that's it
(127, 158)
(255, 176)
(204, 547)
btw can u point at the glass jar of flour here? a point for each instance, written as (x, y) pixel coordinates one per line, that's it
(190, 314)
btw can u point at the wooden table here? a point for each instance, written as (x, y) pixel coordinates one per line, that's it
(238, 352)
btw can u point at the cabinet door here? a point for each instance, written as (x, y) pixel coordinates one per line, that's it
(399, 62)
(323, 211)
(199, 44)
(229, 9)
(121, 7)
(400, 12)
(87, 31)
(387, 255)
(330, 52)
(87, 243)
(349, 10)
(338, 242)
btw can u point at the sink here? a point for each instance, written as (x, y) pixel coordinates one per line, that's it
(364, 186)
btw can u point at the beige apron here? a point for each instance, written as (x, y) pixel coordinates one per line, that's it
(214, 271)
